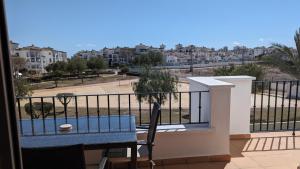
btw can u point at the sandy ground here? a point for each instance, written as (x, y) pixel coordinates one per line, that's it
(117, 87)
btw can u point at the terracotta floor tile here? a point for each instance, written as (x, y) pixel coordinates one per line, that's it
(244, 162)
(280, 167)
(270, 151)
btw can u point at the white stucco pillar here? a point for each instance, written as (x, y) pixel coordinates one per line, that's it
(240, 104)
(240, 100)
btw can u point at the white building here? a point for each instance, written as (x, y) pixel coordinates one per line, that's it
(171, 60)
(38, 58)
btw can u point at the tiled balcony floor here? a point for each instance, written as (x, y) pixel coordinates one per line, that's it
(263, 151)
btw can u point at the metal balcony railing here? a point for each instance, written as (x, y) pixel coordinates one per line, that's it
(44, 115)
(275, 106)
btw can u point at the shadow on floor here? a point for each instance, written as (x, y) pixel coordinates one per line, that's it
(272, 143)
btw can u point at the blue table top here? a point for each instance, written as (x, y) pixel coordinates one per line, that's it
(93, 132)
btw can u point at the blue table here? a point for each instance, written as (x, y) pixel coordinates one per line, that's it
(93, 132)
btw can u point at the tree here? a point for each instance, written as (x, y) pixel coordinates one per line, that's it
(96, 64)
(76, 65)
(57, 70)
(155, 85)
(57, 66)
(124, 69)
(152, 58)
(65, 98)
(294, 57)
(22, 88)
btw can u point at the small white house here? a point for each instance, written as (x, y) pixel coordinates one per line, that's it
(171, 59)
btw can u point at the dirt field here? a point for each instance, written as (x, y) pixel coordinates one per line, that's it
(117, 87)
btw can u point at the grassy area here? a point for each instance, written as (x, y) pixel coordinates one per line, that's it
(284, 114)
(267, 121)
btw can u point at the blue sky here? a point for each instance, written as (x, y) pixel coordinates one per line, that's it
(72, 25)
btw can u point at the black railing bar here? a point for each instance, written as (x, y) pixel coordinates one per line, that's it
(149, 102)
(98, 107)
(296, 107)
(160, 117)
(170, 108)
(275, 109)
(200, 99)
(76, 113)
(119, 111)
(54, 114)
(129, 109)
(179, 107)
(43, 114)
(140, 111)
(88, 112)
(282, 105)
(65, 109)
(268, 108)
(20, 116)
(108, 111)
(31, 115)
(190, 107)
(254, 107)
(289, 107)
(98, 112)
(261, 103)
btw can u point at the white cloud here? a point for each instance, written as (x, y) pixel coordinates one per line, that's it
(261, 39)
(236, 43)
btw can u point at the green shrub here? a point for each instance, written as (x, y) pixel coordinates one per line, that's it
(37, 108)
(248, 69)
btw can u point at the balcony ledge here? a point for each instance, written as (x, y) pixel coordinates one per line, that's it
(203, 128)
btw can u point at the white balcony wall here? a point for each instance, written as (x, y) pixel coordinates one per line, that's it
(240, 104)
(183, 141)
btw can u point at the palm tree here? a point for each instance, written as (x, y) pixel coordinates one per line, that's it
(294, 57)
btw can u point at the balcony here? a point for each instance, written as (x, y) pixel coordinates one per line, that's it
(221, 122)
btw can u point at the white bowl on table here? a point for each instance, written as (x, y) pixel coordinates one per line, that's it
(65, 127)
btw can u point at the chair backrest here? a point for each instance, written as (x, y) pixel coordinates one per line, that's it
(67, 157)
(153, 123)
